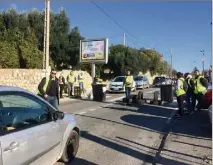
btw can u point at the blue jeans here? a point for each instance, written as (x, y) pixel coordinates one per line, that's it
(127, 92)
(53, 100)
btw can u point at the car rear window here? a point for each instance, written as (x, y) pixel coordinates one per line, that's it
(118, 79)
(138, 78)
(159, 79)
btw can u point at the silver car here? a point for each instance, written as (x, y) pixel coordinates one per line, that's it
(34, 132)
(141, 82)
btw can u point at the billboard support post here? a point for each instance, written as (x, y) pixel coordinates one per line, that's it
(93, 71)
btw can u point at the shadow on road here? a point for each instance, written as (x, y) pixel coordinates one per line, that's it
(124, 124)
(145, 109)
(79, 161)
(146, 158)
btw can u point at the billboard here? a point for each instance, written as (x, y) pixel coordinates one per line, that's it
(94, 51)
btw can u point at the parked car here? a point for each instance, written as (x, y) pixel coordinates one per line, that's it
(210, 113)
(207, 101)
(158, 81)
(33, 131)
(141, 82)
(116, 85)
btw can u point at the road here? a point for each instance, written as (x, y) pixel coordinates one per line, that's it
(114, 134)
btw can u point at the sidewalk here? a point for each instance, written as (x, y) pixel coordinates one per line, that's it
(189, 142)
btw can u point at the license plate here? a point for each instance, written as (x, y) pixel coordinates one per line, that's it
(116, 89)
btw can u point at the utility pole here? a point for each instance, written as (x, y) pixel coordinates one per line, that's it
(171, 61)
(124, 41)
(203, 59)
(46, 36)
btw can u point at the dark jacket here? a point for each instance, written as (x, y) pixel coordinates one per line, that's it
(52, 88)
(203, 81)
(191, 85)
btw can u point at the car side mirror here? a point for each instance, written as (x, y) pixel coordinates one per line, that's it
(58, 115)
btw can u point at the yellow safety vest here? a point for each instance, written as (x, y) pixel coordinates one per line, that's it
(45, 86)
(128, 81)
(71, 78)
(81, 79)
(199, 88)
(180, 91)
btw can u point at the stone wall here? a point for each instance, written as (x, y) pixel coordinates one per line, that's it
(30, 78)
(24, 78)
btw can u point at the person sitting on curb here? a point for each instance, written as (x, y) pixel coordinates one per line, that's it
(49, 89)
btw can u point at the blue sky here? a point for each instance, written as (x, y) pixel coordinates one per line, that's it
(181, 26)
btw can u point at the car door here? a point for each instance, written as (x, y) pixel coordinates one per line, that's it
(28, 130)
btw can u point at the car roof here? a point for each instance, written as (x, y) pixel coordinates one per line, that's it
(4, 88)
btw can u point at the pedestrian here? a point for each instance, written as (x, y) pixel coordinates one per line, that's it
(61, 81)
(71, 79)
(81, 82)
(201, 86)
(190, 82)
(128, 84)
(180, 94)
(49, 89)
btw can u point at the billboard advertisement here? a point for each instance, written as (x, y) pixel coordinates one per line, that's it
(94, 51)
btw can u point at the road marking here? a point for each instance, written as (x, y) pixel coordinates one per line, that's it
(171, 116)
(117, 98)
(92, 109)
(80, 113)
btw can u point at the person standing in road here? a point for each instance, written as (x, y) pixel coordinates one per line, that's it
(81, 82)
(189, 93)
(71, 79)
(61, 81)
(180, 94)
(201, 86)
(128, 84)
(49, 89)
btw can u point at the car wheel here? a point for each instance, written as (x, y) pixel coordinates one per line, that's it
(71, 147)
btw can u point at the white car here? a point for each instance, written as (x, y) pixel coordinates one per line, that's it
(210, 113)
(142, 82)
(116, 85)
(32, 131)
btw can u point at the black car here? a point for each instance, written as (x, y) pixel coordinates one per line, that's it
(158, 81)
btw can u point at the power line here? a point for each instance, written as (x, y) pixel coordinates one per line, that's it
(115, 21)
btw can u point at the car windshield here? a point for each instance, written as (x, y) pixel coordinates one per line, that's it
(159, 79)
(138, 78)
(118, 79)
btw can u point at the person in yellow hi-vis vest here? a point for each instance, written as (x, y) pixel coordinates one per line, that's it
(128, 84)
(201, 86)
(49, 89)
(71, 79)
(180, 94)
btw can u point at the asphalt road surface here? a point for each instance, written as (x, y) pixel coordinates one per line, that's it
(115, 134)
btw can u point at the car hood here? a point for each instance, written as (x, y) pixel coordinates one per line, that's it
(69, 118)
(116, 83)
(139, 81)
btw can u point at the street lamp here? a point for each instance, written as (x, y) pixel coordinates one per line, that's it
(203, 59)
